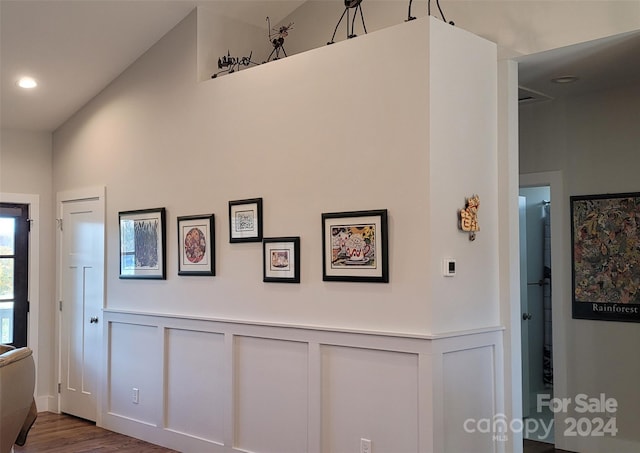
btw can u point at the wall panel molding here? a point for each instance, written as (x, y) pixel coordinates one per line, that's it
(229, 386)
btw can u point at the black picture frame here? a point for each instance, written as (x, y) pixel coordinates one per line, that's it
(143, 244)
(355, 246)
(281, 259)
(605, 257)
(197, 245)
(245, 220)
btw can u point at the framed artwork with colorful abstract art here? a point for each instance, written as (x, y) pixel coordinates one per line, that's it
(605, 236)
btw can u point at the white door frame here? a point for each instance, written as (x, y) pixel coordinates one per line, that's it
(97, 193)
(561, 307)
(524, 304)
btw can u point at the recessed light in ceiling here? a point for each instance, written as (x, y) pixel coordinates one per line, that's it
(565, 79)
(27, 82)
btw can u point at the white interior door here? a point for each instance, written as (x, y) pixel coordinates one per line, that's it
(524, 308)
(82, 298)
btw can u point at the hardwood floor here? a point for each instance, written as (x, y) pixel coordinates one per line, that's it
(531, 446)
(57, 433)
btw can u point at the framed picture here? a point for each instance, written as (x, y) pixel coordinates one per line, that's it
(354, 246)
(143, 244)
(245, 220)
(605, 236)
(196, 245)
(281, 260)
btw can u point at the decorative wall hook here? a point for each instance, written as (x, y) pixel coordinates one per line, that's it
(469, 216)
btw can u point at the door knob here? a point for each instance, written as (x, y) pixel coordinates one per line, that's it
(93, 320)
(526, 316)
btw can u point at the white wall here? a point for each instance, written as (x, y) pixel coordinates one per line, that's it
(307, 141)
(593, 140)
(26, 173)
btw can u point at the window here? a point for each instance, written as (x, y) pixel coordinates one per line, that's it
(14, 276)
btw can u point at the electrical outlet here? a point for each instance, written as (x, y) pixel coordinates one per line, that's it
(365, 445)
(135, 396)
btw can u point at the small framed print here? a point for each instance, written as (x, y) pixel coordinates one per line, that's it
(354, 246)
(196, 245)
(281, 260)
(245, 220)
(142, 244)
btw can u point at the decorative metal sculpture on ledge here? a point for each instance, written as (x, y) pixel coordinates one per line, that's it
(276, 36)
(356, 5)
(228, 64)
(410, 17)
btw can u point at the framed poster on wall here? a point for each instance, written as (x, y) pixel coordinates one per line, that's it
(143, 244)
(196, 245)
(605, 265)
(245, 220)
(354, 246)
(281, 259)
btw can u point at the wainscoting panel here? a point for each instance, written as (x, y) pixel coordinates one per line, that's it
(466, 411)
(209, 385)
(195, 384)
(271, 395)
(364, 394)
(134, 363)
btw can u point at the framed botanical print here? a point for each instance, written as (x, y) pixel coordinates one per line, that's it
(143, 244)
(196, 245)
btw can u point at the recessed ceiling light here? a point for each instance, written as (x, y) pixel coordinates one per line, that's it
(565, 79)
(27, 82)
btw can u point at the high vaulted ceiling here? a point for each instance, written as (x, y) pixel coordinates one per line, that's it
(75, 48)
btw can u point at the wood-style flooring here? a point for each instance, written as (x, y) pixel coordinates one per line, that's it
(531, 446)
(59, 433)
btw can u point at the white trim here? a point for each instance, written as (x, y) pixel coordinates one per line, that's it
(80, 194)
(379, 333)
(509, 266)
(560, 308)
(149, 423)
(33, 200)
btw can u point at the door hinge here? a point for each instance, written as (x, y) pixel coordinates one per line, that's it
(28, 306)
(59, 222)
(29, 222)
(60, 305)
(59, 387)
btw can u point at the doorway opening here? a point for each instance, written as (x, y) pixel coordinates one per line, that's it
(536, 308)
(14, 273)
